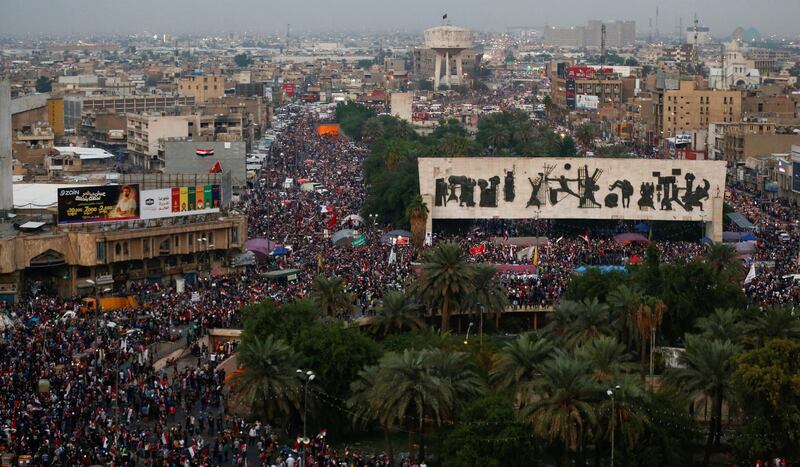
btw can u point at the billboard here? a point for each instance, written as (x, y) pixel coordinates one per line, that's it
(587, 101)
(98, 204)
(127, 202)
(585, 72)
(289, 88)
(795, 176)
(180, 201)
(572, 188)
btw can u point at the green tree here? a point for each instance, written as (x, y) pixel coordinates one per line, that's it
(417, 214)
(722, 324)
(372, 130)
(585, 134)
(445, 278)
(44, 84)
(625, 301)
(243, 60)
(608, 359)
(267, 380)
(775, 322)
(767, 382)
(724, 262)
(589, 319)
(707, 367)
(519, 362)
(563, 406)
(567, 147)
(397, 313)
(330, 296)
(489, 293)
(486, 434)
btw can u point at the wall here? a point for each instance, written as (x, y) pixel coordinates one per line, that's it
(400, 105)
(180, 158)
(552, 197)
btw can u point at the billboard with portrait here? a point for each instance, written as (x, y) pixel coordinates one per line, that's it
(98, 204)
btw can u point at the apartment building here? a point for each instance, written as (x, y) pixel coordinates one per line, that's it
(688, 108)
(202, 87)
(146, 134)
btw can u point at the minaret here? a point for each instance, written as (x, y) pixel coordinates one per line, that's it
(6, 190)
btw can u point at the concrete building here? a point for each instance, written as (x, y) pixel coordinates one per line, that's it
(76, 105)
(564, 37)
(202, 87)
(423, 62)
(688, 108)
(400, 105)
(736, 71)
(181, 157)
(699, 37)
(146, 134)
(618, 33)
(6, 194)
(446, 42)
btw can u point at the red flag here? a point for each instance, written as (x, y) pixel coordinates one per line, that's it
(216, 169)
(585, 237)
(477, 249)
(332, 221)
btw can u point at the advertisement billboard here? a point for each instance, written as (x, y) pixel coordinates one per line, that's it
(795, 176)
(98, 204)
(126, 202)
(289, 89)
(587, 101)
(585, 72)
(180, 201)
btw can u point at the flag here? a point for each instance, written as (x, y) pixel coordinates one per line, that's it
(164, 438)
(105, 442)
(325, 209)
(750, 275)
(216, 169)
(585, 237)
(535, 261)
(401, 240)
(361, 240)
(322, 433)
(392, 256)
(191, 451)
(477, 249)
(444, 16)
(332, 221)
(204, 152)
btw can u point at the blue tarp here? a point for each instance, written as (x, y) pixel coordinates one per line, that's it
(641, 227)
(279, 251)
(603, 269)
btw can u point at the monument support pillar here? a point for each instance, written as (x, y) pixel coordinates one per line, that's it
(447, 69)
(437, 67)
(713, 228)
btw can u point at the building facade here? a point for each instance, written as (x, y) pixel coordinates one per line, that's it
(202, 87)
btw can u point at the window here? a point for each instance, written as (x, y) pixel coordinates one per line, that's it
(191, 239)
(117, 249)
(125, 250)
(205, 88)
(234, 234)
(146, 246)
(177, 241)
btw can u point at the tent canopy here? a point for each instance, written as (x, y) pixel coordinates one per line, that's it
(740, 221)
(630, 238)
(261, 246)
(343, 236)
(353, 217)
(280, 273)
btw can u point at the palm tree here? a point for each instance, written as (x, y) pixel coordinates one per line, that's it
(419, 386)
(723, 261)
(624, 301)
(454, 145)
(774, 322)
(591, 320)
(648, 318)
(330, 295)
(397, 313)
(445, 278)
(562, 408)
(267, 380)
(722, 324)
(365, 406)
(628, 418)
(405, 130)
(417, 214)
(498, 136)
(707, 366)
(372, 130)
(520, 361)
(489, 292)
(585, 134)
(393, 154)
(607, 358)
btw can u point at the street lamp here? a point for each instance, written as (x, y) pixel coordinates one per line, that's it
(613, 421)
(309, 377)
(202, 240)
(466, 340)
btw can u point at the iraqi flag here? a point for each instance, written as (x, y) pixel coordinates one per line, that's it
(332, 221)
(204, 152)
(216, 169)
(164, 438)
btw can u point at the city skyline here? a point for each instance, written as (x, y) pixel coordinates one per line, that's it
(95, 17)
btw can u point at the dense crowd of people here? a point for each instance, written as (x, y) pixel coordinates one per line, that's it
(80, 388)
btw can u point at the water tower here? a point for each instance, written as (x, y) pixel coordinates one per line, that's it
(448, 42)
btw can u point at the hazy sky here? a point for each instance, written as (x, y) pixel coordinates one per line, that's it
(85, 17)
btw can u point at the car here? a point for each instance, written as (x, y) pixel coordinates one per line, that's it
(785, 237)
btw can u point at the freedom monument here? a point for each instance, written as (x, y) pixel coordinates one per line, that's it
(574, 188)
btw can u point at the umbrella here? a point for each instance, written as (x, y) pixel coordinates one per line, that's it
(261, 246)
(386, 238)
(280, 250)
(343, 236)
(353, 217)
